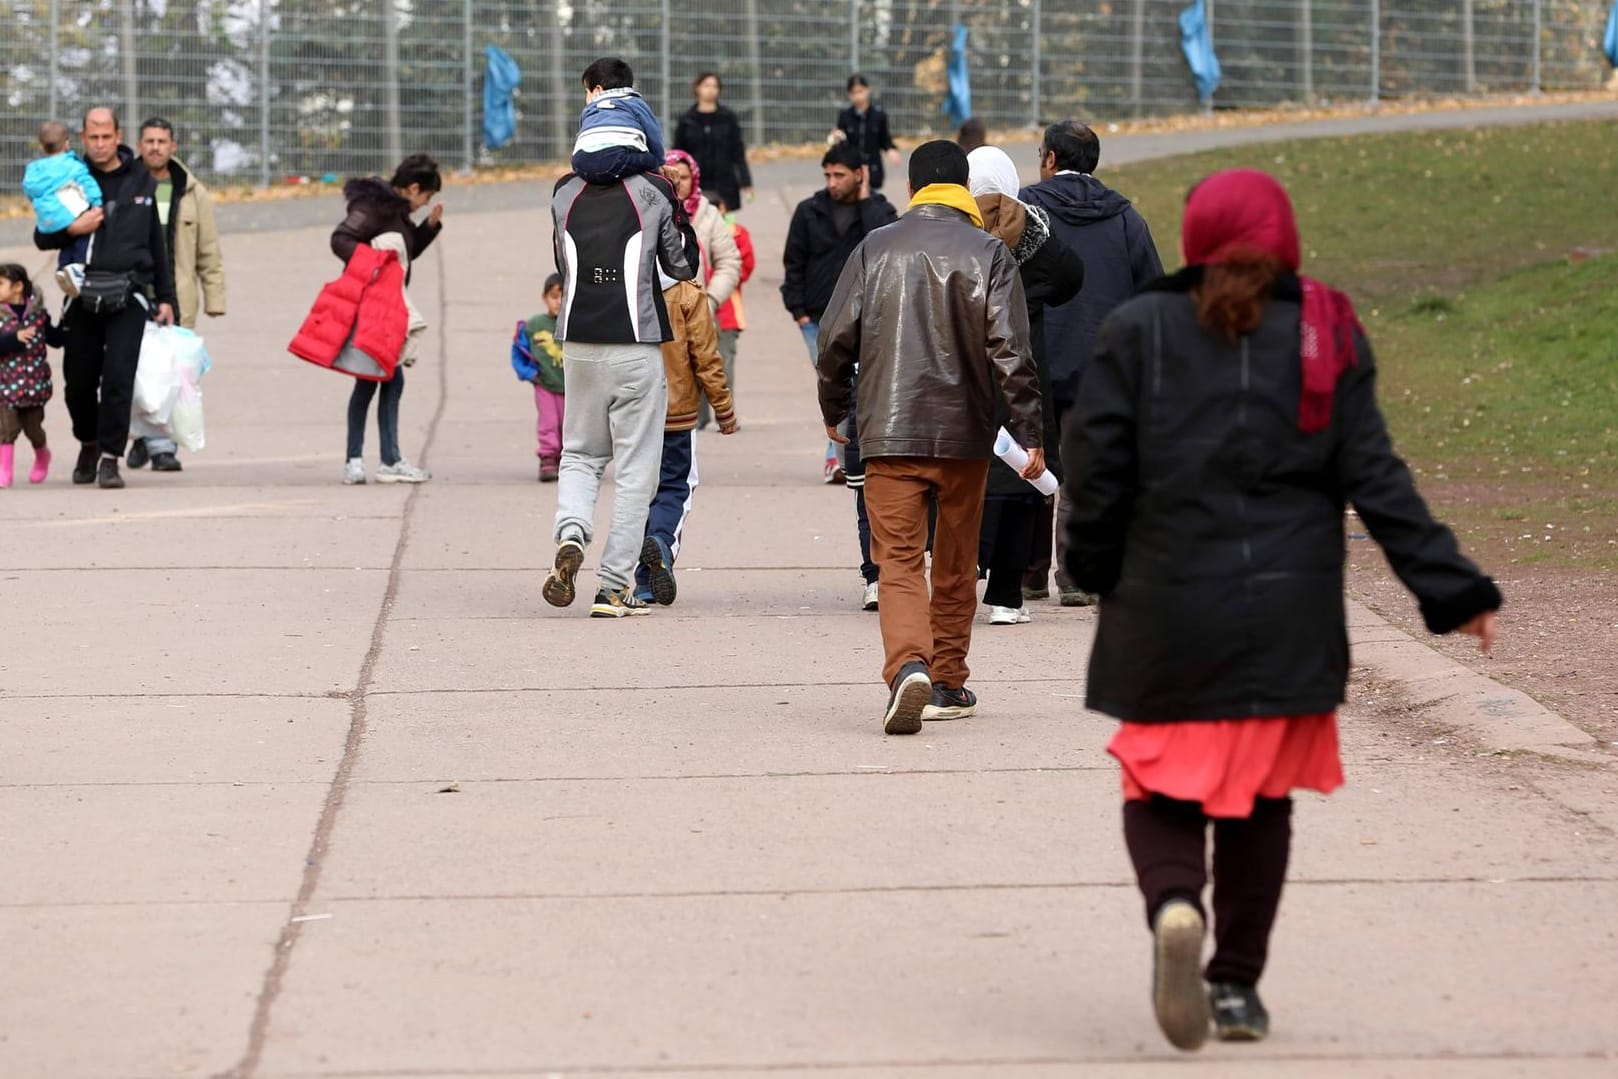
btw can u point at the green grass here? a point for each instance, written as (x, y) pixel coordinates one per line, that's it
(1499, 359)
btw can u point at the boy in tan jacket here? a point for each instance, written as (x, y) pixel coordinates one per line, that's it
(694, 369)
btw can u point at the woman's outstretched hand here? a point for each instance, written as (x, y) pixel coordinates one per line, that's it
(1483, 628)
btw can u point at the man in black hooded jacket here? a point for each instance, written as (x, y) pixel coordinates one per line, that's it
(1119, 258)
(129, 254)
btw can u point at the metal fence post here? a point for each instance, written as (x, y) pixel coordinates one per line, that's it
(1376, 51)
(466, 47)
(1539, 43)
(1306, 48)
(264, 93)
(1137, 56)
(127, 54)
(1469, 45)
(56, 52)
(755, 64)
(853, 35)
(390, 59)
(1036, 91)
(664, 45)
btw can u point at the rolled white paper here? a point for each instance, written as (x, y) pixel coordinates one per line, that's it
(1008, 450)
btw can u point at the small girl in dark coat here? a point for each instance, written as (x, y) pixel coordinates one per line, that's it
(25, 371)
(1227, 417)
(1052, 274)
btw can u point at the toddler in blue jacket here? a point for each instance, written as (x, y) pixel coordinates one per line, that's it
(60, 187)
(618, 134)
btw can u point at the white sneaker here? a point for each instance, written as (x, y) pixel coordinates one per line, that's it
(1009, 616)
(869, 602)
(354, 471)
(69, 279)
(402, 472)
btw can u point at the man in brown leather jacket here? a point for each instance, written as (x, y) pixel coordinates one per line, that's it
(930, 311)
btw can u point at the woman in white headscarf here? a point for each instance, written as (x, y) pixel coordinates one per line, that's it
(1052, 274)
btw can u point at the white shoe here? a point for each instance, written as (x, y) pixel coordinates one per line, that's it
(1009, 616)
(402, 471)
(354, 471)
(869, 603)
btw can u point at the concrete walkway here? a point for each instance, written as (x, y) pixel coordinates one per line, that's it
(305, 780)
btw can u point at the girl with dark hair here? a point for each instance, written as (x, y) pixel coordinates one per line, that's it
(25, 371)
(712, 134)
(865, 125)
(376, 207)
(1226, 419)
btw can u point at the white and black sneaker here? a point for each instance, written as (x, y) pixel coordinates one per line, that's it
(560, 589)
(618, 604)
(870, 601)
(912, 691)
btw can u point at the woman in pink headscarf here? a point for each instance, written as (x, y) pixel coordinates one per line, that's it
(1227, 418)
(721, 258)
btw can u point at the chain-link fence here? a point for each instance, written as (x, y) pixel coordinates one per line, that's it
(264, 90)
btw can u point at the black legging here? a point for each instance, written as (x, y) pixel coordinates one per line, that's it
(1167, 841)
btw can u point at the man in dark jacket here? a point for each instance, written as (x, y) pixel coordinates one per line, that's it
(1119, 257)
(128, 270)
(933, 315)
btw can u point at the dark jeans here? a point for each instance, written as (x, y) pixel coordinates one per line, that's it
(1052, 520)
(387, 415)
(854, 469)
(1168, 843)
(676, 489)
(1006, 545)
(98, 367)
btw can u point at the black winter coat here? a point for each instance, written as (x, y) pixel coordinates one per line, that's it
(1119, 259)
(374, 207)
(1212, 527)
(870, 135)
(715, 140)
(1052, 273)
(131, 238)
(815, 254)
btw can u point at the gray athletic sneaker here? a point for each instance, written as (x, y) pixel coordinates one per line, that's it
(402, 471)
(354, 471)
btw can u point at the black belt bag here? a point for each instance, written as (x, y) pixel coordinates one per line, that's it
(105, 292)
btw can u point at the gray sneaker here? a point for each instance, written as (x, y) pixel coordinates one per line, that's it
(402, 471)
(354, 471)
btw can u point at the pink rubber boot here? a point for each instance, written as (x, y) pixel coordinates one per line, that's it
(42, 465)
(8, 455)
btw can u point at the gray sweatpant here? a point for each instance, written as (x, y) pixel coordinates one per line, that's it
(617, 400)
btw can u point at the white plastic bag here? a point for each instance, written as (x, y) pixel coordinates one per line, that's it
(168, 384)
(157, 384)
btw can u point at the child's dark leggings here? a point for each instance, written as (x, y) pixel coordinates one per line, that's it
(1167, 841)
(16, 421)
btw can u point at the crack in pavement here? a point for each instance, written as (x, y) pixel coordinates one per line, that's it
(314, 863)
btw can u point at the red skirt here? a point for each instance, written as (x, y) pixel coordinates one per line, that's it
(1224, 764)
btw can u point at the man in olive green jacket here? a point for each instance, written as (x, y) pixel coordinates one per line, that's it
(199, 268)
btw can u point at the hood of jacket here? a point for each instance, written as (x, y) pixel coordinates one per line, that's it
(375, 192)
(1076, 199)
(1021, 227)
(126, 162)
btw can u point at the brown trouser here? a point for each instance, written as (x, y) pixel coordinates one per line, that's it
(936, 632)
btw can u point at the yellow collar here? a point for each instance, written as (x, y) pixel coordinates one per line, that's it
(954, 196)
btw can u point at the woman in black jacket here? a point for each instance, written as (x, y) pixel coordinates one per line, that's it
(1226, 419)
(1052, 274)
(865, 125)
(375, 207)
(712, 134)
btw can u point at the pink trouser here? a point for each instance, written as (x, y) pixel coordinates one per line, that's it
(551, 407)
